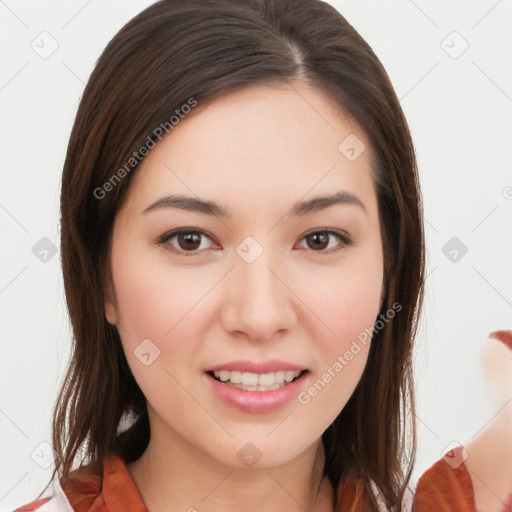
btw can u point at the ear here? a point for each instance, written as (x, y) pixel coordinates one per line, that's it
(111, 305)
(111, 313)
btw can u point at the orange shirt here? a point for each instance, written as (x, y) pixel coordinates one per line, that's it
(442, 488)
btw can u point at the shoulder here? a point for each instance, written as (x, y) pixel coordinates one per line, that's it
(80, 491)
(446, 486)
(449, 487)
(353, 496)
(83, 489)
(38, 505)
(54, 500)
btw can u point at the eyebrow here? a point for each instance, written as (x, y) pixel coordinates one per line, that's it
(194, 204)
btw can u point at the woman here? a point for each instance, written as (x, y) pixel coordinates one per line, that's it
(243, 259)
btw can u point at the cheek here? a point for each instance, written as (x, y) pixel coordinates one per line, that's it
(158, 326)
(347, 307)
(346, 301)
(154, 302)
(157, 319)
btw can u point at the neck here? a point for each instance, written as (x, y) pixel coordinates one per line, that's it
(174, 475)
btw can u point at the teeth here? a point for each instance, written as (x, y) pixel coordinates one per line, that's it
(223, 375)
(235, 377)
(266, 379)
(279, 377)
(255, 388)
(289, 376)
(250, 379)
(256, 381)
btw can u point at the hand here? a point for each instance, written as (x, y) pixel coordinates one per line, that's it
(490, 454)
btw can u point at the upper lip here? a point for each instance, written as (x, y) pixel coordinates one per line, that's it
(271, 365)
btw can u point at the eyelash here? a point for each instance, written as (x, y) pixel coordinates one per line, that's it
(345, 240)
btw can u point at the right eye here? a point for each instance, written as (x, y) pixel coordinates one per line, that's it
(187, 242)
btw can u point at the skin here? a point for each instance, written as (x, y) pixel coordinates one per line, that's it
(256, 152)
(489, 459)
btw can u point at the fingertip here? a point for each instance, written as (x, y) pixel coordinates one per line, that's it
(504, 336)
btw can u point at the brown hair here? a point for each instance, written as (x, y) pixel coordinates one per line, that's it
(180, 49)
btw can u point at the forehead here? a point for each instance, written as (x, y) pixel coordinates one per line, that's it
(272, 142)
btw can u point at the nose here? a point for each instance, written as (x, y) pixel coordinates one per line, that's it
(260, 304)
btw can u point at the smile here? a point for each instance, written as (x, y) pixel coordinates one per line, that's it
(249, 381)
(256, 387)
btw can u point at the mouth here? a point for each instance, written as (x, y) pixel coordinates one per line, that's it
(253, 386)
(249, 381)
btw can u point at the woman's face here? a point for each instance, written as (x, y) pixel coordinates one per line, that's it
(249, 245)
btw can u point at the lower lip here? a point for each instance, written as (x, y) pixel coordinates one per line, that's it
(257, 401)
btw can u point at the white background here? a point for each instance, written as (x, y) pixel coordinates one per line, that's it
(459, 111)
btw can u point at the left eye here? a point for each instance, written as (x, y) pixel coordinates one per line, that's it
(322, 241)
